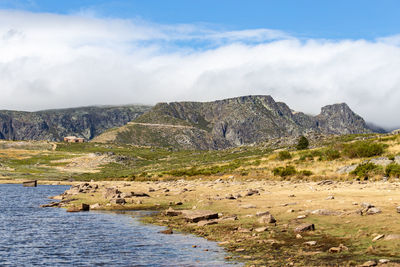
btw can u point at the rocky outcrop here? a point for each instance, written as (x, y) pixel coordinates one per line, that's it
(234, 122)
(340, 119)
(53, 125)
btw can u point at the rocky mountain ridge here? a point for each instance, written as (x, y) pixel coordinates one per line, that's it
(234, 122)
(53, 125)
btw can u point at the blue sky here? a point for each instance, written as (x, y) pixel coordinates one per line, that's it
(306, 53)
(339, 19)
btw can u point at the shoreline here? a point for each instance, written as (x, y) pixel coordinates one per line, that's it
(333, 207)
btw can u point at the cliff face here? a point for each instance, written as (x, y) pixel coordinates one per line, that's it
(237, 121)
(53, 125)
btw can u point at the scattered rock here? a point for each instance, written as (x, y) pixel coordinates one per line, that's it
(330, 198)
(261, 229)
(139, 194)
(334, 250)
(199, 215)
(382, 161)
(299, 236)
(372, 211)
(398, 209)
(118, 201)
(172, 212)
(301, 216)
(52, 204)
(325, 182)
(326, 212)
(95, 206)
(347, 169)
(384, 261)
(304, 228)
(111, 192)
(267, 219)
(369, 264)
(310, 243)
(252, 192)
(167, 232)
(378, 237)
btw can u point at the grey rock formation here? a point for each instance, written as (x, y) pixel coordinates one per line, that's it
(237, 121)
(53, 125)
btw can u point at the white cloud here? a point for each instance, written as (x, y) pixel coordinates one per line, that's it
(50, 61)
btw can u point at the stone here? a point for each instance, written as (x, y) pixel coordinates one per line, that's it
(230, 196)
(334, 250)
(310, 243)
(369, 264)
(330, 198)
(52, 204)
(261, 229)
(325, 212)
(372, 211)
(251, 192)
(382, 161)
(172, 212)
(304, 228)
(111, 192)
(139, 194)
(398, 209)
(118, 201)
(367, 205)
(267, 219)
(325, 182)
(85, 207)
(95, 206)
(347, 169)
(301, 216)
(378, 237)
(199, 215)
(167, 232)
(299, 236)
(205, 223)
(384, 261)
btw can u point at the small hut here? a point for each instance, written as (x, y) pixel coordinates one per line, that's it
(73, 139)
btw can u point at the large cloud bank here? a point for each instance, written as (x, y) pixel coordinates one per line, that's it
(51, 61)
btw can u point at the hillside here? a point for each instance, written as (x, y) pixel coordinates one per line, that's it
(232, 122)
(53, 125)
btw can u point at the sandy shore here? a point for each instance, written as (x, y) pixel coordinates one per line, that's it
(354, 222)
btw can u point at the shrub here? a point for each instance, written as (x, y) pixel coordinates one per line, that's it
(363, 149)
(306, 172)
(366, 169)
(284, 171)
(284, 155)
(331, 154)
(393, 170)
(302, 143)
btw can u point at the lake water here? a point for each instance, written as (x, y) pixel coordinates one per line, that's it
(33, 236)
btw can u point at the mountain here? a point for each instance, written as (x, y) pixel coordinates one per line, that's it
(53, 125)
(230, 123)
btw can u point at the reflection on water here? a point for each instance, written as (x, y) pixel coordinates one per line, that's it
(33, 236)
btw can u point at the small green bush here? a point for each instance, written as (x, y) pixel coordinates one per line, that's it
(366, 169)
(306, 172)
(331, 154)
(284, 171)
(284, 155)
(363, 149)
(302, 143)
(393, 170)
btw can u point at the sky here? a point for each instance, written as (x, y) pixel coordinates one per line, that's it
(306, 53)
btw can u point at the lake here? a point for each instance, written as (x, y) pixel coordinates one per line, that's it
(33, 236)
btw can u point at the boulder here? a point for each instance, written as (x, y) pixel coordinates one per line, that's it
(304, 228)
(267, 219)
(199, 215)
(111, 192)
(369, 264)
(139, 194)
(172, 212)
(372, 211)
(118, 201)
(326, 212)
